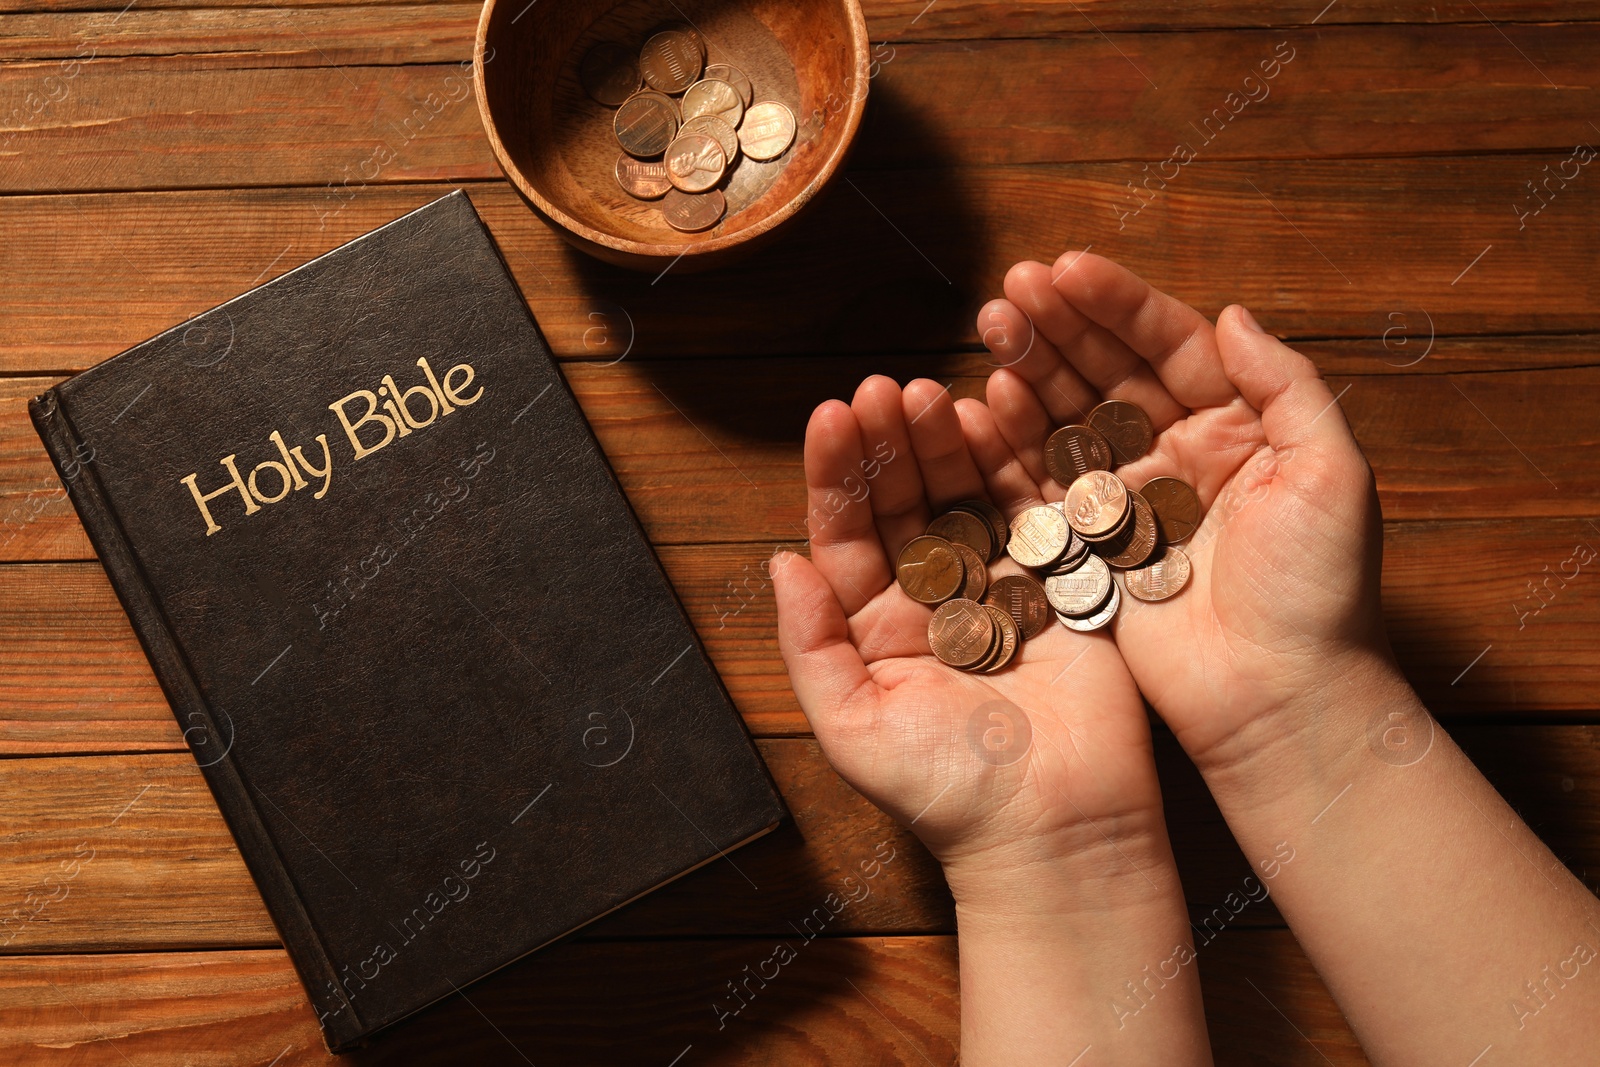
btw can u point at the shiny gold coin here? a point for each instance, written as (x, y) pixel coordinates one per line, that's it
(671, 61)
(712, 97)
(1096, 504)
(929, 570)
(1010, 639)
(768, 130)
(1176, 506)
(991, 515)
(642, 179)
(1125, 427)
(1023, 598)
(1082, 592)
(1099, 618)
(964, 528)
(977, 575)
(724, 72)
(609, 74)
(711, 126)
(1073, 451)
(645, 124)
(1163, 577)
(1135, 546)
(1039, 536)
(694, 162)
(693, 212)
(961, 633)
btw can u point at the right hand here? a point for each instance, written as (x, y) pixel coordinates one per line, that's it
(1283, 601)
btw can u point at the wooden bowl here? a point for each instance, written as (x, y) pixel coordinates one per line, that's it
(557, 145)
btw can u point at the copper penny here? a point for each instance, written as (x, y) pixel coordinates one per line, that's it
(929, 570)
(1125, 427)
(1099, 618)
(991, 515)
(1082, 592)
(977, 575)
(724, 72)
(961, 633)
(1010, 638)
(645, 124)
(609, 74)
(1039, 535)
(1096, 504)
(712, 97)
(1135, 546)
(645, 180)
(695, 162)
(1073, 451)
(688, 31)
(964, 528)
(1176, 506)
(768, 130)
(693, 212)
(711, 126)
(1161, 578)
(1077, 547)
(671, 61)
(1024, 600)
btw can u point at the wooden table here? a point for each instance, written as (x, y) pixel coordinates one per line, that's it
(1370, 201)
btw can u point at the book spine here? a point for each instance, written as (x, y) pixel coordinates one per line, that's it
(73, 458)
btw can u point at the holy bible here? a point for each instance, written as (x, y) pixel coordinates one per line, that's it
(437, 681)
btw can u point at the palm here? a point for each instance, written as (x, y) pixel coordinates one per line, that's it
(1285, 527)
(1057, 741)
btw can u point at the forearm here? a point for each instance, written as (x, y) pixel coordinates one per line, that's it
(1088, 952)
(1441, 924)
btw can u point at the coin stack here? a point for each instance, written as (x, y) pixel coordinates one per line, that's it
(1073, 545)
(684, 126)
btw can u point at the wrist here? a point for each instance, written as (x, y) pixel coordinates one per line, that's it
(1355, 716)
(1091, 869)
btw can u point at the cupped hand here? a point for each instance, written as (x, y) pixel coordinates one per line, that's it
(1283, 599)
(1051, 753)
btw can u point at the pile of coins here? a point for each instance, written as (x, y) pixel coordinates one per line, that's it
(684, 126)
(1073, 545)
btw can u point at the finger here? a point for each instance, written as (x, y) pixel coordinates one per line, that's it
(844, 538)
(1177, 341)
(825, 669)
(1297, 408)
(895, 490)
(1023, 422)
(1017, 345)
(1010, 485)
(1111, 367)
(948, 473)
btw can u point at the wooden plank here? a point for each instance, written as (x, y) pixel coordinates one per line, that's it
(129, 853)
(265, 36)
(980, 19)
(149, 123)
(889, 1001)
(73, 679)
(910, 278)
(710, 451)
(224, 114)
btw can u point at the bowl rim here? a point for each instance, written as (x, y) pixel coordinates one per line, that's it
(859, 45)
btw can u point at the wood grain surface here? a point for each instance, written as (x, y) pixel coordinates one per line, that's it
(1373, 200)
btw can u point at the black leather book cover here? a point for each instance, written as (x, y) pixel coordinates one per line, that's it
(439, 685)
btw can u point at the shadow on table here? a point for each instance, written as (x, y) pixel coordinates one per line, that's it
(881, 263)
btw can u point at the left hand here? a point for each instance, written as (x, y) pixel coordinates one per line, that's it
(907, 730)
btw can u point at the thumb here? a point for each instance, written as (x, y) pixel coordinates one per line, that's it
(825, 669)
(1298, 410)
